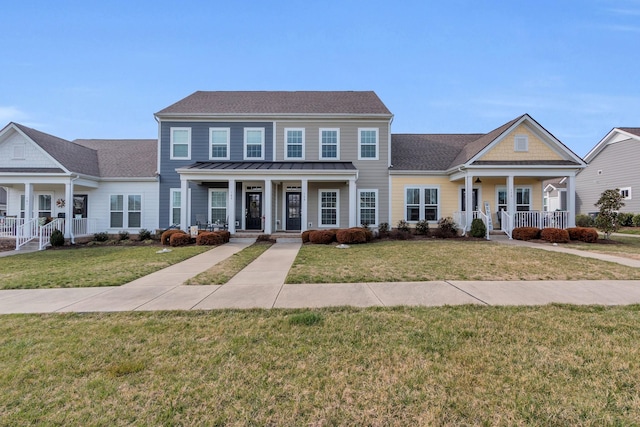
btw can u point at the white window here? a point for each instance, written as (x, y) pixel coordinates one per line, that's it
(176, 206)
(125, 215)
(254, 144)
(218, 206)
(626, 193)
(180, 143)
(219, 143)
(367, 144)
(117, 211)
(502, 199)
(329, 207)
(294, 144)
(521, 143)
(368, 207)
(422, 203)
(19, 151)
(22, 203)
(44, 206)
(329, 144)
(523, 199)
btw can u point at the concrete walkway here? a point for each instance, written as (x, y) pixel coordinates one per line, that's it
(261, 285)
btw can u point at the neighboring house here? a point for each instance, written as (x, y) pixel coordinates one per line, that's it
(554, 195)
(102, 185)
(435, 176)
(613, 163)
(275, 161)
(3, 201)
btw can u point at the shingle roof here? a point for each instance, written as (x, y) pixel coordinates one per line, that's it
(72, 156)
(427, 151)
(279, 102)
(126, 158)
(635, 131)
(275, 166)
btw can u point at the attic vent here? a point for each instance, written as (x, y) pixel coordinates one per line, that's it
(18, 151)
(521, 143)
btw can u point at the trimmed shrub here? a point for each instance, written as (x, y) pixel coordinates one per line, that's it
(403, 225)
(322, 237)
(144, 234)
(383, 229)
(422, 227)
(583, 234)
(103, 236)
(166, 236)
(225, 234)
(554, 235)
(179, 239)
(625, 219)
(478, 229)
(400, 235)
(525, 233)
(351, 236)
(447, 227)
(209, 238)
(368, 234)
(636, 220)
(123, 235)
(583, 220)
(305, 236)
(57, 238)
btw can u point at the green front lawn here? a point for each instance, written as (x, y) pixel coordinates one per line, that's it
(628, 247)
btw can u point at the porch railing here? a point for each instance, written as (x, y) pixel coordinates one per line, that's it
(505, 223)
(541, 219)
(26, 232)
(460, 218)
(9, 226)
(46, 231)
(83, 226)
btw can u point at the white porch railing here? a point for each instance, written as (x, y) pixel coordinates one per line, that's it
(460, 218)
(505, 223)
(9, 226)
(26, 232)
(540, 219)
(46, 231)
(83, 226)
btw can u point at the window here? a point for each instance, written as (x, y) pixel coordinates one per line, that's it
(22, 203)
(523, 199)
(125, 216)
(502, 199)
(219, 143)
(218, 206)
(44, 205)
(176, 205)
(368, 207)
(329, 144)
(180, 143)
(329, 201)
(294, 144)
(521, 143)
(422, 203)
(626, 193)
(368, 144)
(254, 144)
(19, 151)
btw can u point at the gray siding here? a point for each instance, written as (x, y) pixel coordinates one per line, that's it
(619, 168)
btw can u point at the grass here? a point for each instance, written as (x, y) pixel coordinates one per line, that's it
(223, 271)
(87, 267)
(628, 247)
(466, 365)
(445, 260)
(629, 230)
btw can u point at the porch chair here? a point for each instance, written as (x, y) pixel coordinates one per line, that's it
(203, 223)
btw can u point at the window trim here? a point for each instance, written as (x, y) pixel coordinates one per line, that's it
(515, 196)
(126, 211)
(19, 151)
(422, 203)
(337, 208)
(628, 190)
(377, 143)
(130, 211)
(226, 203)
(172, 219)
(173, 143)
(286, 143)
(245, 145)
(228, 143)
(521, 143)
(375, 208)
(320, 144)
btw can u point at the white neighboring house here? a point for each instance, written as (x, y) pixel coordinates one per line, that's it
(101, 185)
(555, 195)
(3, 201)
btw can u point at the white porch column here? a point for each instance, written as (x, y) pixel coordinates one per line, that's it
(304, 184)
(468, 201)
(353, 204)
(268, 206)
(231, 206)
(28, 202)
(184, 204)
(571, 200)
(511, 202)
(68, 211)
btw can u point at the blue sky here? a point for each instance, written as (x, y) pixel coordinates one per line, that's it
(81, 69)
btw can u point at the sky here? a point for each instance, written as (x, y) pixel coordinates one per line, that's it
(83, 69)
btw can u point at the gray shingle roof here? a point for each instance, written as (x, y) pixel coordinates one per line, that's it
(427, 151)
(125, 158)
(635, 131)
(279, 102)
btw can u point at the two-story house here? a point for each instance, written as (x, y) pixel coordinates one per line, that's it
(274, 161)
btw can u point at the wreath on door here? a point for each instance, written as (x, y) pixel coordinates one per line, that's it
(60, 203)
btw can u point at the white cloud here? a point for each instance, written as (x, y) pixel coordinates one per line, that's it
(11, 114)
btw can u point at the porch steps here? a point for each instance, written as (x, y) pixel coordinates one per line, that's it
(241, 236)
(31, 246)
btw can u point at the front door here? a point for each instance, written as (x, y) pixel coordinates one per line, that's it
(293, 211)
(253, 212)
(474, 196)
(79, 205)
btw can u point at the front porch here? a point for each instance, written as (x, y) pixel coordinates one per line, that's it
(508, 221)
(37, 231)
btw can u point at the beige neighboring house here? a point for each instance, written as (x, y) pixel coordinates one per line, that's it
(496, 176)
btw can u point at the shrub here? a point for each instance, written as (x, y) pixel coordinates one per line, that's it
(383, 229)
(478, 229)
(225, 234)
(368, 234)
(525, 233)
(583, 220)
(101, 237)
(123, 235)
(322, 237)
(179, 239)
(636, 220)
(422, 227)
(447, 227)
(583, 234)
(609, 204)
(625, 219)
(209, 238)
(265, 238)
(305, 236)
(554, 235)
(403, 225)
(351, 235)
(57, 238)
(144, 234)
(167, 235)
(400, 235)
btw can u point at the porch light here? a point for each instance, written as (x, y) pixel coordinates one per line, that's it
(478, 181)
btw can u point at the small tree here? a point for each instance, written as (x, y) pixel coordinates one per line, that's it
(609, 204)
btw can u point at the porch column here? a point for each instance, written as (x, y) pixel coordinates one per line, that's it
(231, 206)
(468, 201)
(28, 202)
(184, 203)
(268, 206)
(68, 211)
(571, 201)
(304, 184)
(511, 202)
(353, 204)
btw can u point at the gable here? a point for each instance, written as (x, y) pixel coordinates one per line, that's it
(17, 151)
(538, 148)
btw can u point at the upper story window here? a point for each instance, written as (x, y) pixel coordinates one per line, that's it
(219, 143)
(180, 143)
(521, 143)
(368, 144)
(254, 144)
(330, 144)
(294, 144)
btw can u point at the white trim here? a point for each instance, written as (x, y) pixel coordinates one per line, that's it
(377, 143)
(125, 210)
(172, 143)
(376, 208)
(515, 196)
(226, 201)
(172, 219)
(474, 187)
(244, 148)
(337, 131)
(19, 151)
(628, 190)
(521, 143)
(286, 143)
(421, 202)
(228, 143)
(337, 208)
